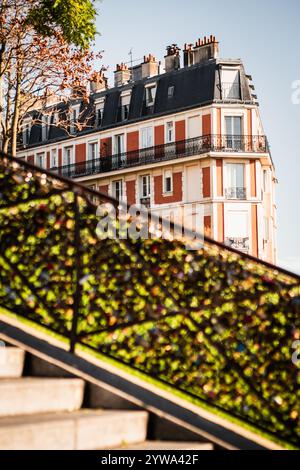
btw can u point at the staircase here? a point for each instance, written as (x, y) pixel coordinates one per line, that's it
(48, 413)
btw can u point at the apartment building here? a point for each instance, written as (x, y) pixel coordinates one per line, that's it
(190, 135)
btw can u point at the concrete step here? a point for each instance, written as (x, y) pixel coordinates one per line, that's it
(29, 395)
(11, 362)
(78, 430)
(165, 445)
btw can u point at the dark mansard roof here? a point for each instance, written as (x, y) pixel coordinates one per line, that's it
(194, 86)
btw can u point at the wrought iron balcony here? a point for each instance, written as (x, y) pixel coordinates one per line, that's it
(145, 201)
(238, 243)
(170, 151)
(235, 193)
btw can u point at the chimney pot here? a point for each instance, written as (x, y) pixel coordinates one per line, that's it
(149, 67)
(205, 49)
(172, 58)
(122, 74)
(98, 82)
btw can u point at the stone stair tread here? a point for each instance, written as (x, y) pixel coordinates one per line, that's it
(11, 362)
(166, 445)
(84, 429)
(30, 395)
(63, 415)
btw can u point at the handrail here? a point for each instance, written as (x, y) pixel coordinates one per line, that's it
(214, 323)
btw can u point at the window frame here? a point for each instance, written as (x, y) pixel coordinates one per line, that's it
(44, 159)
(120, 194)
(65, 148)
(89, 146)
(153, 96)
(168, 174)
(147, 185)
(54, 149)
(168, 129)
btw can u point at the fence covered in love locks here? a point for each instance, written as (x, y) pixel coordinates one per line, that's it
(212, 322)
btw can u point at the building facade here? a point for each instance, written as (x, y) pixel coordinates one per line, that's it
(192, 134)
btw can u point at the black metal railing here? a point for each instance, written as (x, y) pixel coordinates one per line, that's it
(145, 201)
(238, 243)
(235, 193)
(170, 151)
(213, 323)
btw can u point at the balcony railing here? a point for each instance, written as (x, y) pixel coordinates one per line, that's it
(235, 193)
(238, 243)
(145, 201)
(171, 151)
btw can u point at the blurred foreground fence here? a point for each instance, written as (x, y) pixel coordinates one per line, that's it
(213, 323)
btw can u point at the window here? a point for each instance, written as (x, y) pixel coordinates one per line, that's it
(146, 137)
(150, 95)
(145, 186)
(68, 156)
(93, 150)
(235, 174)
(168, 181)
(171, 90)
(26, 133)
(230, 84)
(99, 110)
(98, 118)
(237, 229)
(119, 144)
(53, 158)
(117, 189)
(170, 132)
(73, 119)
(233, 126)
(45, 126)
(123, 111)
(40, 160)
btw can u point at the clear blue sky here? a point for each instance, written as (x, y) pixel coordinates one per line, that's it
(266, 35)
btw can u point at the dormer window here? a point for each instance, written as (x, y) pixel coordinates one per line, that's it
(150, 95)
(123, 110)
(45, 126)
(26, 132)
(74, 115)
(171, 90)
(230, 86)
(99, 111)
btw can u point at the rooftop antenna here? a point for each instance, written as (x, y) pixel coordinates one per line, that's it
(130, 53)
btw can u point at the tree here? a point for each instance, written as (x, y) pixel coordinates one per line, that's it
(35, 67)
(74, 18)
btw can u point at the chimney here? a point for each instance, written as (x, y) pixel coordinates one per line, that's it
(172, 58)
(149, 66)
(188, 55)
(79, 90)
(122, 74)
(98, 82)
(204, 49)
